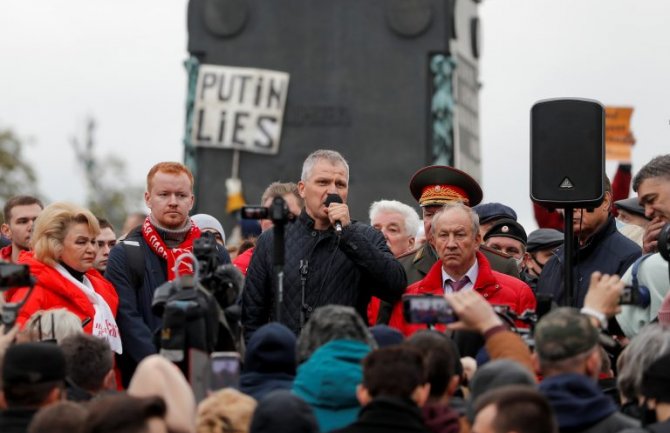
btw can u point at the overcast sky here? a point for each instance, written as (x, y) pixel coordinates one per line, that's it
(121, 62)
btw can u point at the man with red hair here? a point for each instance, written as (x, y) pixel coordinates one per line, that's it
(166, 233)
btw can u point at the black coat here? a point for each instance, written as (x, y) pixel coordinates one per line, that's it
(344, 271)
(387, 415)
(607, 251)
(135, 318)
(16, 420)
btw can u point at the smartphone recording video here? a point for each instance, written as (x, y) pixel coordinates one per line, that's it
(427, 309)
(225, 370)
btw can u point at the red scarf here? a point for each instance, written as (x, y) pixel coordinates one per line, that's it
(171, 255)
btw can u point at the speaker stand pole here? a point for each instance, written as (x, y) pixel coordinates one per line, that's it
(569, 244)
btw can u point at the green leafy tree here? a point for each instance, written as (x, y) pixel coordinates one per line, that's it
(110, 194)
(16, 174)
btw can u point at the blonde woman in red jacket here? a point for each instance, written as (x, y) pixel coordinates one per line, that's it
(62, 256)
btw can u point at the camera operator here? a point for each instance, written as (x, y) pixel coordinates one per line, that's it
(330, 259)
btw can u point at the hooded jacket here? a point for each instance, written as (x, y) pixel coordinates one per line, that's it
(269, 361)
(53, 290)
(327, 381)
(581, 406)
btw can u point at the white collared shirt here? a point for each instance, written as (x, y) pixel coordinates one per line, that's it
(471, 274)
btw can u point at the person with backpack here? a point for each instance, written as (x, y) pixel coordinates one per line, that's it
(146, 258)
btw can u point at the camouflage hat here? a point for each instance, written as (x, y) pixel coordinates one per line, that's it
(564, 333)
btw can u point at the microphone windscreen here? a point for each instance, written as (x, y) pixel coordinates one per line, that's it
(332, 198)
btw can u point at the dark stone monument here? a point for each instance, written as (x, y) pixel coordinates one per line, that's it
(360, 83)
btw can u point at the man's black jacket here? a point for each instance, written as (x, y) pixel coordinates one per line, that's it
(346, 271)
(607, 251)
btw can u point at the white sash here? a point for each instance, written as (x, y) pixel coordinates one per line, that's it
(104, 324)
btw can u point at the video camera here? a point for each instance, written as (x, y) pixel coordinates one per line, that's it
(224, 282)
(14, 276)
(664, 242)
(200, 312)
(277, 212)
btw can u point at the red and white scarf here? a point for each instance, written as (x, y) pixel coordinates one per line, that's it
(156, 243)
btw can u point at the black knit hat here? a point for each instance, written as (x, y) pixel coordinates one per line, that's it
(33, 363)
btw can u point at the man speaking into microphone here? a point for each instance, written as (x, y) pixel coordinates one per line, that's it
(329, 258)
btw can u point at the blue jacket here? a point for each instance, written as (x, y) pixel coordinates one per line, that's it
(269, 361)
(137, 323)
(581, 406)
(327, 381)
(607, 251)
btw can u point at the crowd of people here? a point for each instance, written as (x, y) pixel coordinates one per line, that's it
(327, 342)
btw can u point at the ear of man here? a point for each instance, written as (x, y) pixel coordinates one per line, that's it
(421, 394)
(363, 395)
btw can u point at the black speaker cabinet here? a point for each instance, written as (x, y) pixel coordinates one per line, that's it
(567, 153)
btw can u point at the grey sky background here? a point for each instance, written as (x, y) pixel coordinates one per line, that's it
(121, 62)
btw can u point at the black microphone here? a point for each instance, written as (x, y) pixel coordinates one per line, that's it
(334, 198)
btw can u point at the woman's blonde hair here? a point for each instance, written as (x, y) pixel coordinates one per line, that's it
(225, 411)
(51, 228)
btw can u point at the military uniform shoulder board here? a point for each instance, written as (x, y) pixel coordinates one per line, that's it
(417, 252)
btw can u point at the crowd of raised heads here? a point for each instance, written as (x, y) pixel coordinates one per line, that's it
(445, 315)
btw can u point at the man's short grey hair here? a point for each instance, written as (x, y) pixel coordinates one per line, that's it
(328, 323)
(647, 346)
(657, 167)
(331, 156)
(408, 213)
(474, 218)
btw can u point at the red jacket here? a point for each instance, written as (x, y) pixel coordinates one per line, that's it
(497, 288)
(243, 260)
(6, 253)
(55, 291)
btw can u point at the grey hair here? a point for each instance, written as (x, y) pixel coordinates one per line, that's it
(474, 218)
(53, 324)
(409, 214)
(331, 156)
(328, 323)
(651, 343)
(657, 167)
